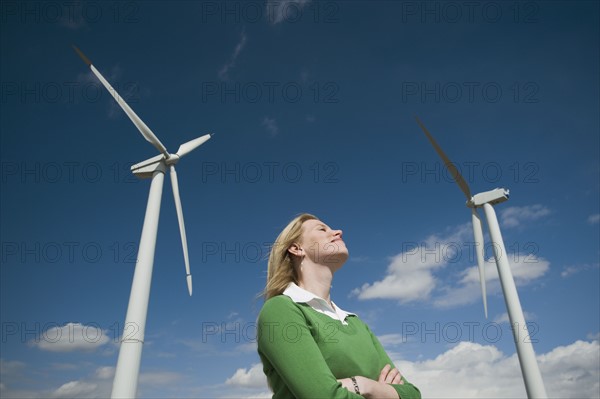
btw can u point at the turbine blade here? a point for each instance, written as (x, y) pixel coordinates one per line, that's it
(478, 234)
(189, 283)
(145, 130)
(451, 168)
(186, 259)
(191, 145)
(82, 56)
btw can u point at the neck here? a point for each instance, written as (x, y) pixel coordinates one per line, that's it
(317, 280)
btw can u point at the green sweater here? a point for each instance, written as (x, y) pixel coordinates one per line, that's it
(304, 352)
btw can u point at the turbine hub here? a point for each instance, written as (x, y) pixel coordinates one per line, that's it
(172, 159)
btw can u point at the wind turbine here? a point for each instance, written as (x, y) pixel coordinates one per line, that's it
(534, 385)
(130, 352)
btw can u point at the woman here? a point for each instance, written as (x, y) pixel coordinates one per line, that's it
(309, 347)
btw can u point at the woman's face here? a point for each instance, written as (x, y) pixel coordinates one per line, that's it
(322, 244)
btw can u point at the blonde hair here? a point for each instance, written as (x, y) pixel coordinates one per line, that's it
(280, 269)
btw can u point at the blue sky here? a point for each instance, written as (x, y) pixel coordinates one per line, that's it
(312, 105)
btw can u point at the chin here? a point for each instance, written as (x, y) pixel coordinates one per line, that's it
(337, 259)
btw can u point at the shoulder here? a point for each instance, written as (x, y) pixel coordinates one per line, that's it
(277, 304)
(279, 307)
(279, 300)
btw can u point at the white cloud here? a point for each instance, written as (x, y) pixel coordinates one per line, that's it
(224, 71)
(594, 219)
(248, 378)
(71, 337)
(271, 125)
(525, 269)
(516, 215)
(285, 10)
(410, 275)
(104, 373)
(574, 269)
(573, 370)
(569, 270)
(471, 370)
(75, 389)
(97, 384)
(413, 284)
(467, 370)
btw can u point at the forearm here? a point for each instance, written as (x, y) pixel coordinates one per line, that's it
(369, 388)
(381, 390)
(372, 389)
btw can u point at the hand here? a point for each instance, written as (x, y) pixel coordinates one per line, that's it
(372, 389)
(347, 383)
(390, 376)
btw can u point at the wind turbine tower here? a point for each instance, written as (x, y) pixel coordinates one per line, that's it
(534, 385)
(132, 340)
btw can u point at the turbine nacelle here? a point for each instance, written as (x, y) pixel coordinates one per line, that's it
(145, 169)
(492, 197)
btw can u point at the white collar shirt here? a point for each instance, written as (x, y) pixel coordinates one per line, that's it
(300, 295)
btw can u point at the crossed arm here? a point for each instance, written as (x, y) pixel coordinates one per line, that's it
(295, 365)
(376, 389)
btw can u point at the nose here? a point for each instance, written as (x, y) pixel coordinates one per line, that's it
(338, 233)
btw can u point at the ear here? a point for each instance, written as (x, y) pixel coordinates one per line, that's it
(295, 249)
